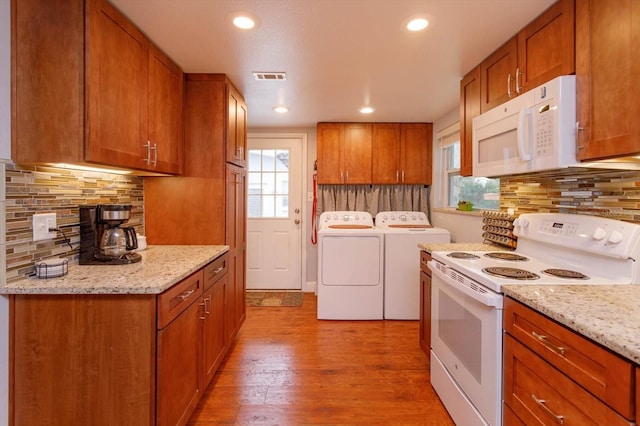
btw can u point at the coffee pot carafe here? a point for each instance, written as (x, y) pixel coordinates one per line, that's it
(118, 240)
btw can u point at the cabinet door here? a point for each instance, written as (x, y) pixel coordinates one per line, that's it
(117, 90)
(469, 108)
(607, 70)
(546, 47)
(213, 342)
(178, 372)
(386, 153)
(165, 113)
(236, 127)
(425, 312)
(497, 75)
(416, 153)
(235, 239)
(357, 151)
(329, 153)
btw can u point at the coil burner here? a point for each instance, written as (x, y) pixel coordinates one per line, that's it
(566, 273)
(514, 273)
(506, 256)
(462, 255)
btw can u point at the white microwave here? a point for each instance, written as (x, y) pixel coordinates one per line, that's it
(533, 132)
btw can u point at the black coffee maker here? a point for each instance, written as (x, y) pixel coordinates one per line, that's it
(103, 239)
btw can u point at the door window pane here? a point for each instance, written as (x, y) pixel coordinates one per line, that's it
(268, 183)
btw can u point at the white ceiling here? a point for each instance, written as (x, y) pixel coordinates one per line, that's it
(339, 55)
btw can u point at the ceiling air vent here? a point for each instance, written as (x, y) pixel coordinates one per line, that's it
(272, 76)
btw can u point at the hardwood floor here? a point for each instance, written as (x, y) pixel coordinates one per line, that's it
(288, 368)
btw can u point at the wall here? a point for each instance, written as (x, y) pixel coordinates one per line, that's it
(311, 250)
(40, 189)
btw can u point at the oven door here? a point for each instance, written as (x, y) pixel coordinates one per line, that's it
(466, 340)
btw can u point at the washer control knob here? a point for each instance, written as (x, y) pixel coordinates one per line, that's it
(599, 234)
(345, 217)
(403, 217)
(616, 237)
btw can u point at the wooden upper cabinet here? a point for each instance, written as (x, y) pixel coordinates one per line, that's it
(344, 153)
(497, 74)
(386, 153)
(546, 47)
(469, 108)
(402, 153)
(416, 153)
(123, 110)
(542, 50)
(608, 78)
(236, 127)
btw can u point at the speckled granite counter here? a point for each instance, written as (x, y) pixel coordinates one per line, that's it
(609, 315)
(431, 247)
(160, 268)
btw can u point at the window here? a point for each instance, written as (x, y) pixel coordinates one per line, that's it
(484, 193)
(268, 188)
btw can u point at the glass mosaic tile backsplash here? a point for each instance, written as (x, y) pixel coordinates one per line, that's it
(40, 189)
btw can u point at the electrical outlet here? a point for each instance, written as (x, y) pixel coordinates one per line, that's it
(41, 224)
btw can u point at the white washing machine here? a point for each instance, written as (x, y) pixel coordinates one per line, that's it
(403, 231)
(350, 267)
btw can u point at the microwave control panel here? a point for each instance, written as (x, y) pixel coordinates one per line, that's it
(544, 124)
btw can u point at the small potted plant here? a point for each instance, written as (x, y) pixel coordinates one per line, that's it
(465, 206)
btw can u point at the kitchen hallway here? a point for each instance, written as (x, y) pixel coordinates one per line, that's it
(288, 368)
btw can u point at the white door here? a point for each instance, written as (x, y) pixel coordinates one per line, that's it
(274, 214)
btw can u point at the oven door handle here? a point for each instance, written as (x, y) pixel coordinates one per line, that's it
(466, 286)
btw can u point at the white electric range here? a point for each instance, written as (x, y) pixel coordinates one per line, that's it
(466, 327)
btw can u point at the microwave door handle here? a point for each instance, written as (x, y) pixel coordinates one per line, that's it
(524, 113)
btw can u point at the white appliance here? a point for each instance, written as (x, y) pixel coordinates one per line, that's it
(532, 132)
(350, 267)
(403, 231)
(466, 329)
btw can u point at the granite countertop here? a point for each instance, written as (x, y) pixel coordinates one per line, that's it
(607, 314)
(160, 268)
(431, 247)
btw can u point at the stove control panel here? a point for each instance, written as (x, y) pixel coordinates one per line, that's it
(594, 234)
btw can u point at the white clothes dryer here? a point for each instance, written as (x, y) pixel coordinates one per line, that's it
(403, 231)
(350, 267)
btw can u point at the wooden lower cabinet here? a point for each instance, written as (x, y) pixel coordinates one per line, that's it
(425, 302)
(553, 375)
(117, 359)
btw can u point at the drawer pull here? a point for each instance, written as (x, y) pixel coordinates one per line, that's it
(543, 339)
(541, 404)
(218, 270)
(186, 294)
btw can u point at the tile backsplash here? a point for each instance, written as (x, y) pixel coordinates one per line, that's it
(600, 192)
(40, 189)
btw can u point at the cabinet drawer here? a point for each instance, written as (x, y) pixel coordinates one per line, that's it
(603, 373)
(424, 258)
(539, 394)
(179, 297)
(215, 270)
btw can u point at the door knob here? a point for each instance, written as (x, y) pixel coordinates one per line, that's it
(297, 221)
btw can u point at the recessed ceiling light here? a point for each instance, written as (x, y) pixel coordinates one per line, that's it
(244, 20)
(417, 24)
(281, 109)
(366, 110)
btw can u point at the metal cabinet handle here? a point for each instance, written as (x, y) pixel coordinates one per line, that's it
(403, 176)
(204, 309)
(541, 404)
(341, 176)
(347, 174)
(154, 148)
(218, 270)
(186, 294)
(543, 339)
(397, 176)
(578, 129)
(147, 147)
(207, 305)
(518, 74)
(509, 92)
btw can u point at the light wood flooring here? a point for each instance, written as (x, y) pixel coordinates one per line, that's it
(288, 368)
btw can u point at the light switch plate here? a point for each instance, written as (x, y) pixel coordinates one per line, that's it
(41, 224)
